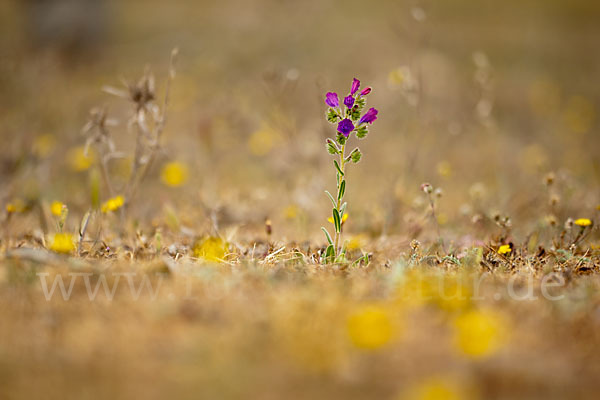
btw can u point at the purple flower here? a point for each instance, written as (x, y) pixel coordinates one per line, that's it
(345, 127)
(331, 99)
(355, 86)
(369, 116)
(349, 101)
(365, 91)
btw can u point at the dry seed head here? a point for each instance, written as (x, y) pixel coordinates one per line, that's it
(143, 92)
(549, 179)
(569, 223)
(496, 216)
(438, 193)
(554, 200)
(415, 244)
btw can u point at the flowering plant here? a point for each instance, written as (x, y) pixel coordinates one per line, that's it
(349, 118)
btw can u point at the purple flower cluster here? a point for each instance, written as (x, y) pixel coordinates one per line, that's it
(350, 119)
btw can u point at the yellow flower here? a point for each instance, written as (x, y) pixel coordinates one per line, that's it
(344, 218)
(453, 295)
(43, 145)
(370, 327)
(583, 222)
(263, 141)
(112, 204)
(442, 218)
(504, 249)
(18, 206)
(478, 333)
(396, 76)
(444, 169)
(211, 248)
(357, 242)
(291, 212)
(579, 114)
(437, 389)
(174, 174)
(62, 243)
(56, 208)
(78, 160)
(416, 289)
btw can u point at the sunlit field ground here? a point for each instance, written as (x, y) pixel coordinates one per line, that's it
(161, 209)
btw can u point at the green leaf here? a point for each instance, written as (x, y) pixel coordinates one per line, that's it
(362, 132)
(332, 116)
(329, 253)
(336, 221)
(360, 103)
(356, 155)
(341, 139)
(342, 190)
(337, 166)
(343, 208)
(331, 147)
(330, 198)
(327, 235)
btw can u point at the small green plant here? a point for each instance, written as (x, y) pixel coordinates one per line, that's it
(350, 119)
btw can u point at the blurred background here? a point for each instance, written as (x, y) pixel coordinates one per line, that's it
(482, 99)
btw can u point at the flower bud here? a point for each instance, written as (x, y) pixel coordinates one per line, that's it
(427, 188)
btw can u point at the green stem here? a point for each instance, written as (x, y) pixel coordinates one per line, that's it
(339, 200)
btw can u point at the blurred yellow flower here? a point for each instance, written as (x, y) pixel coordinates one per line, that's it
(56, 208)
(442, 218)
(17, 206)
(416, 288)
(174, 174)
(62, 243)
(370, 327)
(436, 389)
(43, 145)
(344, 218)
(504, 249)
(444, 169)
(78, 160)
(453, 295)
(396, 76)
(544, 97)
(357, 242)
(532, 158)
(579, 114)
(479, 333)
(113, 204)
(262, 141)
(583, 222)
(211, 248)
(291, 212)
